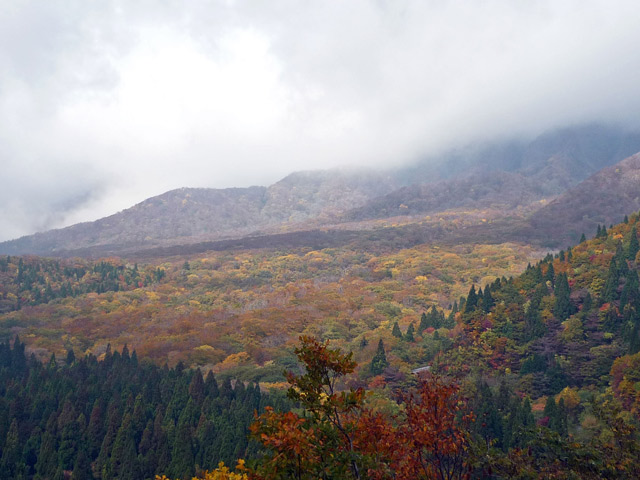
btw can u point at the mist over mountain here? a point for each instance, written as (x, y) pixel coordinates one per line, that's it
(506, 178)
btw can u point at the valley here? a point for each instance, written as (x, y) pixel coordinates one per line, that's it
(492, 281)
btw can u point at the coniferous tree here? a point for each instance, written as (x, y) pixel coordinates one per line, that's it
(82, 466)
(396, 332)
(633, 245)
(424, 323)
(124, 458)
(550, 275)
(379, 361)
(487, 300)
(182, 458)
(472, 300)
(409, 335)
(562, 308)
(610, 290)
(11, 463)
(587, 303)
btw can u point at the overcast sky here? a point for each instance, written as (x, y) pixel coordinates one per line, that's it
(103, 104)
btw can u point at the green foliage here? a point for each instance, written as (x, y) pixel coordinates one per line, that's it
(395, 331)
(126, 435)
(379, 361)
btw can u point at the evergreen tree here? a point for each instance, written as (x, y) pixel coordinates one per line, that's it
(124, 458)
(424, 323)
(633, 246)
(182, 458)
(196, 387)
(630, 292)
(550, 275)
(82, 466)
(11, 462)
(610, 290)
(587, 303)
(582, 238)
(396, 332)
(472, 300)
(487, 300)
(408, 336)
(379, 361)
(563, 308)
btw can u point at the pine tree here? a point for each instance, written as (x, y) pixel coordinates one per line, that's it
(379, 361)
(583, 238)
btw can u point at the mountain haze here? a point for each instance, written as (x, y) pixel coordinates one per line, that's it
(511, 179)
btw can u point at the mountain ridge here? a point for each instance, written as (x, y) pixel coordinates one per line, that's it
(514, 179)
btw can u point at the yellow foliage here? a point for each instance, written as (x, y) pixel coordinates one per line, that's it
(220, 473)
(570, 396)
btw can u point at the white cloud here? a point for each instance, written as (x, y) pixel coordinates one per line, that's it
(103, 106)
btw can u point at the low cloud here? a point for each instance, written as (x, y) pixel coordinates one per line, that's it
(103, 106)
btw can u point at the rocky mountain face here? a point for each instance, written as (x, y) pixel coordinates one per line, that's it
(506, 178)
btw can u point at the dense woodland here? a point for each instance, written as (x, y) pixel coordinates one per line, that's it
(117, 418)
(544, 365)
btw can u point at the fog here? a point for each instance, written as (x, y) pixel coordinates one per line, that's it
(104, 104)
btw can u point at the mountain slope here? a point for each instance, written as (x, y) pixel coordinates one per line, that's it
(511, 178)
(604, 198)
(190, 215)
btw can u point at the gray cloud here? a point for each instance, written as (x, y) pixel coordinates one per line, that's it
(104, 105)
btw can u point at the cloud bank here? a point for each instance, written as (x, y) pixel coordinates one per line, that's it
(105, 104)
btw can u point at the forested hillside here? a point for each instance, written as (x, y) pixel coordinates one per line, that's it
(118, 417)
(242, 312)
(544, 356)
